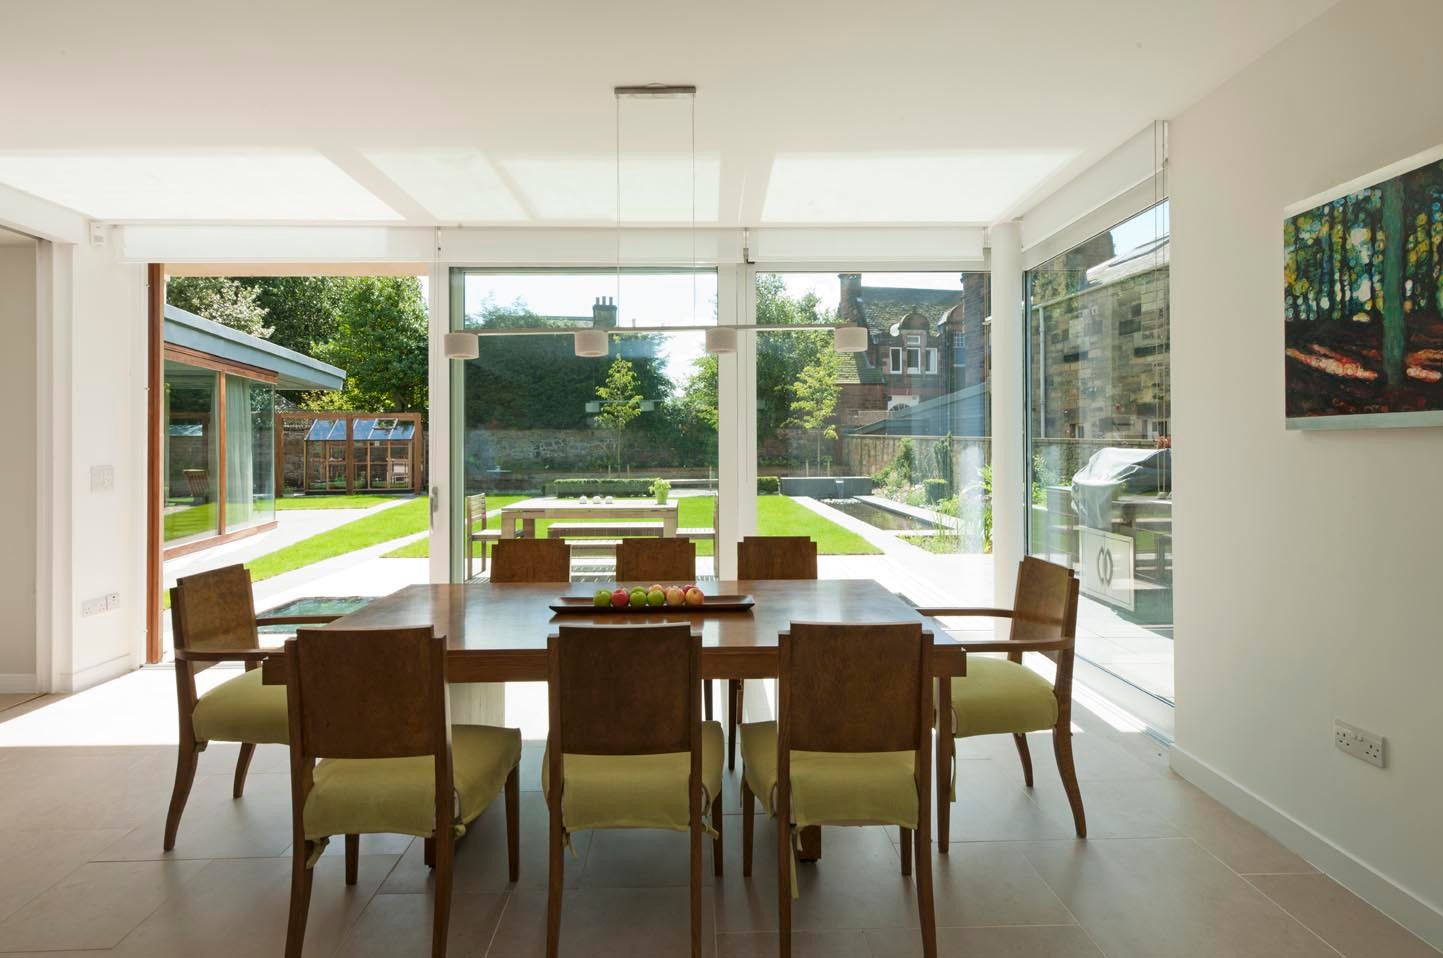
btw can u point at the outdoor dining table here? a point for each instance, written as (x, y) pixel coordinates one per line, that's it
(519, 518)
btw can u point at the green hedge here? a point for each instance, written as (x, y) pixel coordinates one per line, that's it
(599, 487)
(937, 489)
(768, 485)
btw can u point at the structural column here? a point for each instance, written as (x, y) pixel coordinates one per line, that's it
(1009, 411)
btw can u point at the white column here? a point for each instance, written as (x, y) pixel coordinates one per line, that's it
(1009, 411)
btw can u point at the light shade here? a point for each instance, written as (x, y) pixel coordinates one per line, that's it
(721, 339)
(462, 346)
(851, 339)
(592, 342)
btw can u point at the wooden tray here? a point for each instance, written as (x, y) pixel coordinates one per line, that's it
(585, 605)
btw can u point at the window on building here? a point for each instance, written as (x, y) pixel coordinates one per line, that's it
(932, 361)
(959, 349)
(894, 360)
(914, 359)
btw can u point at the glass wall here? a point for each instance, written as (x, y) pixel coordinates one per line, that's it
(250, 468)
(881, 456)
(1100, 441)
(537, 420)
(191, 434)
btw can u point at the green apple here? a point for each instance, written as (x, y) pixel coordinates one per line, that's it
(602, 598)
(638, 597)
(656, 597)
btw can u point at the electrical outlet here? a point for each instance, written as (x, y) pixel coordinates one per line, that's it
(92, 606)
(112, 601)
(1359, 743)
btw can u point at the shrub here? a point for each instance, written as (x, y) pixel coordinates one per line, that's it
(903, 467)
(937, 489)
(768, 485)
(599, 487)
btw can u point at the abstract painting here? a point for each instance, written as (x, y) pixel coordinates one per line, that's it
(1363, 305)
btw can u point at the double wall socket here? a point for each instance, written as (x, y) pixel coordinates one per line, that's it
(101, 603)
(1359, 743)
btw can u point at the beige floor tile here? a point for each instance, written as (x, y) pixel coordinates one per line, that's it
(646, 858)
(35, 860)
(55, 788)
(805, 944)
(480, 864)
(981, 884)
(238, 908)
(1096, 757)
(1152, 898)
(214, 825)
(605, 923)
(1342, 919)
(1113, 809)
(393, 926)
(95, 906)
(1241, 846)
(8, 700)
(1040, 941)
(993, 808)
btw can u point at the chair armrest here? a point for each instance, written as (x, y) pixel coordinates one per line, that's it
(295, 619)
(226, 655)
(993, 613)
(1015, 645)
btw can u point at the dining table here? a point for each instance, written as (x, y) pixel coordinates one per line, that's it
(518, 520)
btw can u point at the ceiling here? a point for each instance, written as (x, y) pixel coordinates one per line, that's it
(450, 112)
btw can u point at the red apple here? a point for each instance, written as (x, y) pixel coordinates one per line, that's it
(620, 598)
(694, 596)
(675, 596)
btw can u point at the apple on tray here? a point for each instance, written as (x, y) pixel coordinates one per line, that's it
(602, 598)
(638, 597)
(620, 598)
(656, 597)
(694, 596)
(675, 595)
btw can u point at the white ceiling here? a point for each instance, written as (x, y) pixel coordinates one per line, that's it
(446, 111)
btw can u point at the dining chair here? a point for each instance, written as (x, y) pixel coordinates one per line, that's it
(213, 619)
(851, 746)
(476, 531)
(627, 747)
(530, 560)
(373, 751)
(765, 557)
(1003, 696)
(656, 560)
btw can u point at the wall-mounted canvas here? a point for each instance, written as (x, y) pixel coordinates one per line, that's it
(1363, 304)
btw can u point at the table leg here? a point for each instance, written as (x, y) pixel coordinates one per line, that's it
(668, 525)
(811, 844)
(528, 528)
(508, 527)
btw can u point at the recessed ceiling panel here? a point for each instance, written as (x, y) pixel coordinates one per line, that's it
(212, 186)
(655, 187)
(951, 187)
(457, 185)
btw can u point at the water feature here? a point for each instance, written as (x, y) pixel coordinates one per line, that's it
(878, 517)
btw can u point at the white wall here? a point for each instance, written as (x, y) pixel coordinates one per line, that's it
(17, 473)
(1307, 563)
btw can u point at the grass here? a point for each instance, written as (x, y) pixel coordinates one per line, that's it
(383, 526)
(189, 522)
(333, 502)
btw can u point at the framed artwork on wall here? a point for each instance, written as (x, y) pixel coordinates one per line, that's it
(1363, 301)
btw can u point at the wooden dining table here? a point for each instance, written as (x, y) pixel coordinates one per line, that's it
(518, 520)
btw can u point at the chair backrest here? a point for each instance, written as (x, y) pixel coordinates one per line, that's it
(475, 511)
(855, 687)
(656, 560)
(214, 610)
(624, 689)
(530, 560)
(776, 557)
(367, 693)
(1044, 607)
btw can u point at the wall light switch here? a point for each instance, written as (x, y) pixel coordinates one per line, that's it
(102, 478)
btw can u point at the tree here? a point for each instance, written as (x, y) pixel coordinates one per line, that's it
(380, 341)
(219, 299)
(303, 311)
(620, 402)
(814, 398)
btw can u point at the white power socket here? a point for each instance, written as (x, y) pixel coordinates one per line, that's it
(1359, 743)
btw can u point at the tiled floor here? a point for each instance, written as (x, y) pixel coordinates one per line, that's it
(1166, 872)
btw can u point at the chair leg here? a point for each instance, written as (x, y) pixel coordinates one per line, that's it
(1062, 746)
(716, 843)
(706, 699)
(749, 812)
(905, 845)
(1026, 756)
(185, 764)
(513, 824)
(242, 766)
(784, 886)
(555, 878)
(441, 920)
(695, 884)
(926, 909)
(733, 719)
(946, 750)
(429, 852)
(353, 858)
(300, 899)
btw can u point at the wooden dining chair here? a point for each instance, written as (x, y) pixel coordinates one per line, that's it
(213, 619)
(656, 560)
(530, 560)
(765, 557)
(1003, 696)
(478, 532)
(373, 751)
(627, 747)
(851, 746)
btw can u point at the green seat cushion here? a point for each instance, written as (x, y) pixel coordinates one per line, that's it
(836, 788)
(636, 791)
(242, 710)
(398, 795)
(1001, 696)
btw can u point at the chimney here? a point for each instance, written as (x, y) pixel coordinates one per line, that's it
(603, 313)
(849, 306)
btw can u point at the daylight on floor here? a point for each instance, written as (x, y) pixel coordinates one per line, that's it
(482, 508)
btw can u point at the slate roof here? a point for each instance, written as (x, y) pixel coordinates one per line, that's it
(883, 307)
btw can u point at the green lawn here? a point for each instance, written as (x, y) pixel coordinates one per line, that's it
(776, 516)
(189, 522)
(333, 502)
(383, 526)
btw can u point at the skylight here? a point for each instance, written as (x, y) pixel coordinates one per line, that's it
(454, 185)
(655, 188)
(966, 187)
(214, 186)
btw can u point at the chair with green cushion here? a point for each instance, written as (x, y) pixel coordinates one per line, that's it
(1003, 696)
(851, 746)
(627, 747)
(373, 751)
(213, 619)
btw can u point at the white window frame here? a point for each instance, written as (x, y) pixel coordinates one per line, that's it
(932, 358)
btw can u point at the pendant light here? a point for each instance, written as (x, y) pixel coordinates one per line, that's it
(850, 339)
(721, 339)
(462, 345)
(591, 343)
